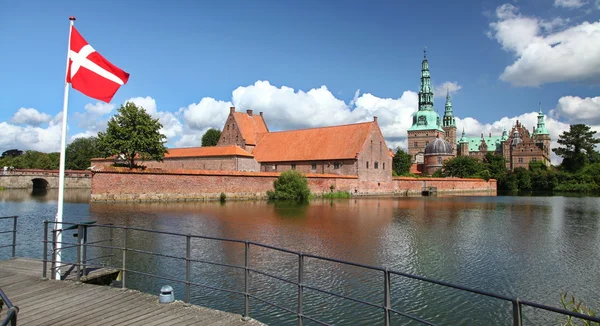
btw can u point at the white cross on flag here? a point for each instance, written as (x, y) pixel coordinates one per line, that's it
(90, 73)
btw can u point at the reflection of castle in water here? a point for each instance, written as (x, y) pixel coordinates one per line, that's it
(45, 195)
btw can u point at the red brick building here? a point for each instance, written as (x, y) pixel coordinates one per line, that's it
(246, 144)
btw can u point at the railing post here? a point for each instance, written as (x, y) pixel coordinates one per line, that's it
(14, 242)
(111, 244)
(387, 304)
(517, 316)
(84, 250)
(45, 254)
(300, 286)
(188, 263)
(79, 249)
(124, 268)
(246, 281)
(54, 252)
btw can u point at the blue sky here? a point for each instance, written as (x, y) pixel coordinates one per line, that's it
(345, 61)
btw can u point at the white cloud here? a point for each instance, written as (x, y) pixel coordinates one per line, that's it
(30, 137)
(171, 125)
(546, 51)
(99, 109)
(578, 110)
(30, 117)
(93, 120)
(441, 90)
(569, 3)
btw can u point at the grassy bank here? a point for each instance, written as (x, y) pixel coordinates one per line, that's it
(331, 195)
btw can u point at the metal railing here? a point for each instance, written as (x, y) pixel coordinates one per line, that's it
(384, 305)
(11, 313)
(14, 234)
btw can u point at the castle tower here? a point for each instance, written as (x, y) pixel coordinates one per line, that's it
(449, 124)
(542, 137)
(463, 144)
(426, 124)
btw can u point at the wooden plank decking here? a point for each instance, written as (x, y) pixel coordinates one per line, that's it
(68, 303)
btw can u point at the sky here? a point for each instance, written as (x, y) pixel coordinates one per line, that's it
(304, 64)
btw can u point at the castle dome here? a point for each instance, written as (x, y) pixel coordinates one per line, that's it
(438, 146)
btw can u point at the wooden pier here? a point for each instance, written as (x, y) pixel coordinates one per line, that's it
(50, 302)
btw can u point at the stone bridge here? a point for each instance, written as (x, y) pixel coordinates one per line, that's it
(44, 179)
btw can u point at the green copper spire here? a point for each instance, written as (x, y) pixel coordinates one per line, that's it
(426, 118)
(463, 138)
(426, 93)
(541, 125)
(449, 120)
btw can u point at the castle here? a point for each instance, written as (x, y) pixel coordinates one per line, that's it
(357, 150)
(432, 140)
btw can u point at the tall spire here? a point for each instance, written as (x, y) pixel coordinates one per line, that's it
(449, 120)
(426, 92)
(541, 124)
(463, 138)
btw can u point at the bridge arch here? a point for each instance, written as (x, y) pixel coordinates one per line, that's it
(39, 183)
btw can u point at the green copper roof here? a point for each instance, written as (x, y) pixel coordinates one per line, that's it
(426, 120)
(463, 139)
(504, 134)
(541, 125)
(448, 120)
(492, 142)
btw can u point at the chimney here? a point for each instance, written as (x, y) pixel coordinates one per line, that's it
(232, 109)
(374, 119)
(490, 134)
(249, 112)
(261, 114)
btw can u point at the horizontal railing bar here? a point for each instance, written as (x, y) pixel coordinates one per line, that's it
(459, 287)
(94, 258)
(6, 217)
(343, 296)
(273, 276)
(274, 248)
(422, 321)
(561, 311)
(345, 262)
(11, 231)
(4, 246)
(273, 304)
(139, 251)
(181, 281)
(215, 263)
(99, 241)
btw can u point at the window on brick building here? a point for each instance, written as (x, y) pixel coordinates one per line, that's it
(236, 139)
(377, 165)
(367, 164)
(227, 127)
(439, 160)
(520, 160)
(275, 167)
(293, 166)
(384, 165)
(313, 166)
(533, 159)
(336, 165)
(416, 144)
(426, 143)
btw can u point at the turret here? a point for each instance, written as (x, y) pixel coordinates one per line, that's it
(541, 124)
(463, 145)
(449, 122)
(426, 92)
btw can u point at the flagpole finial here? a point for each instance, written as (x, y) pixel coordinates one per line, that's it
(72, 18)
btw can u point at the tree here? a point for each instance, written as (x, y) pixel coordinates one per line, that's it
(211, 137)
(290, 185)
(577, 147)
(79, 153)
(401, 162)
(133, 133)
(496, 164)
(462, 167)
(11, 153)
(34, 160)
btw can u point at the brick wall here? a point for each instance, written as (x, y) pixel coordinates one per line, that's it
(182, 185)
(338, 167)
(231, 134)
(374, 160)
(223, 163)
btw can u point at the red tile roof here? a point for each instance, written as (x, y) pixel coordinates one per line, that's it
(231, 150)
(326, 143)
(249, 126)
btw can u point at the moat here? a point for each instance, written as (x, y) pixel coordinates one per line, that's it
(530, 247)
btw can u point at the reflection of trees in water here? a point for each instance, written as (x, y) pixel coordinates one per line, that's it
(286, 209)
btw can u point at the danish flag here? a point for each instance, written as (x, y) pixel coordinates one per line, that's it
(90, 73)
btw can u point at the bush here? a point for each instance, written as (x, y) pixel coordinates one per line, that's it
(291, 185)
(578, 307)
(223, 197)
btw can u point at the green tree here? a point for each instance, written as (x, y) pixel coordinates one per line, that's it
(401, 162)
(495, 164)
(462, 167)
(211, 137)
(577, 147)
(11, 153)
(133, 133)
(34, 160)
(290, 185)
(79, 153)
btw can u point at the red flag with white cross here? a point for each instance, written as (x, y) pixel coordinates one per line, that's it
(90, 73)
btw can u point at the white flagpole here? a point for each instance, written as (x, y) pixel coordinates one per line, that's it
(61, 175)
